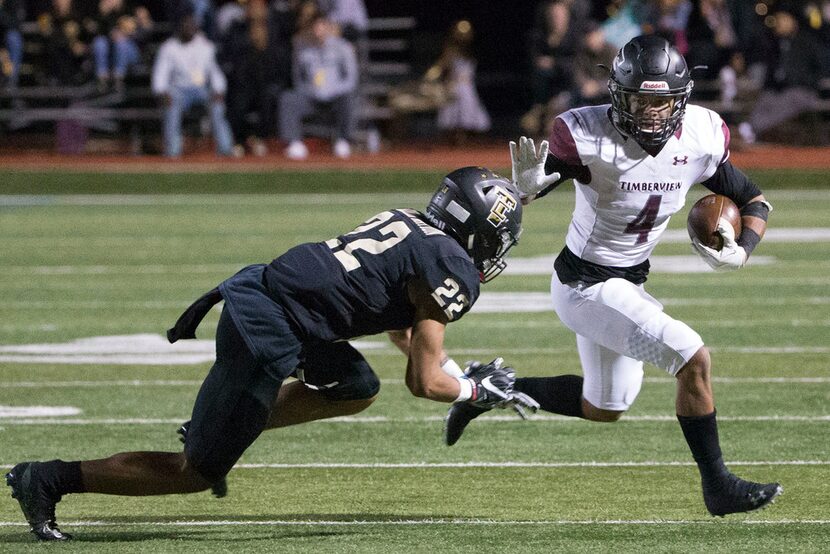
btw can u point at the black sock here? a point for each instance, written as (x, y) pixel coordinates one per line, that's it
(560, 395)
(701, 434)
(64, 477)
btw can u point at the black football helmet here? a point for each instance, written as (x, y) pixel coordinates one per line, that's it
(483, 212)
(650, 85)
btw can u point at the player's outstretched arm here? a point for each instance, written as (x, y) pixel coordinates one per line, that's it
(425, 376)
(401, 338)
(528, 167)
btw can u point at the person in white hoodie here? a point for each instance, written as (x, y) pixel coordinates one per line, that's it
(186, 74)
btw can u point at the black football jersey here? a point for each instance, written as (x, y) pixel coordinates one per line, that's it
(356, 284)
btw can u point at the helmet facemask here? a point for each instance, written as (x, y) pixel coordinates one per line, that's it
(648, 117)
(489, 255)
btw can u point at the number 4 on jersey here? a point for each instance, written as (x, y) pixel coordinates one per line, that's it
(644, 222)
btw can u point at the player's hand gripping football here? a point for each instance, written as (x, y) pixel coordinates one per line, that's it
(730, 257)
(493, 388)
(529, 167)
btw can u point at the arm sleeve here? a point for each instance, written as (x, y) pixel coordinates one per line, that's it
(347, 72)
(300, 72)
(161, 71)
(218, 82)
(564, 157)
(453, 282)
(731, 182)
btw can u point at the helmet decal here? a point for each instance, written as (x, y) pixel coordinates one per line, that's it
(654, 85)
(458, 211)
(504, 204)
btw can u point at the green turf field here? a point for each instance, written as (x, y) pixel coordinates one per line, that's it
(81, 263)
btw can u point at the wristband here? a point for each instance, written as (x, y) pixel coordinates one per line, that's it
(451, 368)
(748, 240)
(466, 389)
(759, 209)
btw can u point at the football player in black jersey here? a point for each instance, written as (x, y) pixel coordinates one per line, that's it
(401, 269)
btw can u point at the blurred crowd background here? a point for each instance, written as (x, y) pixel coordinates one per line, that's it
(255, 77)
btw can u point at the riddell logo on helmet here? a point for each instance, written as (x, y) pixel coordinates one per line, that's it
(654, 85)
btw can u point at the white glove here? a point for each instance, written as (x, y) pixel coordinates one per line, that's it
(519, 402)
(529, 167)
(728, 258)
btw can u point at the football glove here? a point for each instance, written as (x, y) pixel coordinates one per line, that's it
(492, 383)
(520, 403)
(529, 167)
(730, 257)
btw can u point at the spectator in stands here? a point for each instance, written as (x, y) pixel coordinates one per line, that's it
(590, 73)
(284, 20)
(554, 44)
(668, 19)
(305, 12)
(348, 15)
(623, 21)
(259, 71)
(228, 15)
(464, 113)
(795, 67)
(325, 73)
(12, 13)
(714, 46)
(118, 29)
(185, 74)
(203, 14)
(67, 45)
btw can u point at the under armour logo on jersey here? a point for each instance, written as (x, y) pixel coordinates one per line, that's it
(680, 161)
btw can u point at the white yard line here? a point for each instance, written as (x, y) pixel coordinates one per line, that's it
(196, 382)
(196, 358)
(153, 350)
(424, 522)
(311, 199)
(361, 420)
(774, 234)
(500, 465)
(497, 465)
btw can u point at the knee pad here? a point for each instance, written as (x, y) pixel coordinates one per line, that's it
(681, 342)
(364, 384)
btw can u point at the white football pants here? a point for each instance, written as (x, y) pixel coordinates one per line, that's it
(618, 326)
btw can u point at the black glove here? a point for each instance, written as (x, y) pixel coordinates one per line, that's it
(492, 383)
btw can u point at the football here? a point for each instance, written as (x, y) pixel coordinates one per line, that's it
(702, 221)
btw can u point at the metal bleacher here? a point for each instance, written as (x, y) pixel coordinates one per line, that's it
(36, 104)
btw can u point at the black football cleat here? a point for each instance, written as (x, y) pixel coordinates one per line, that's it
(36, 501)
(459, 415)
(734, 495)
(220, 487)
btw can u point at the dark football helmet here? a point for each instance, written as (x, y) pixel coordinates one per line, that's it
(650, 85)
(483, 212)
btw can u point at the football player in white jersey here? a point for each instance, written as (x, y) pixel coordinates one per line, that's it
(632, 163)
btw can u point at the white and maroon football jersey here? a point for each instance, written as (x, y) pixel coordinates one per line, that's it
(626, 204)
